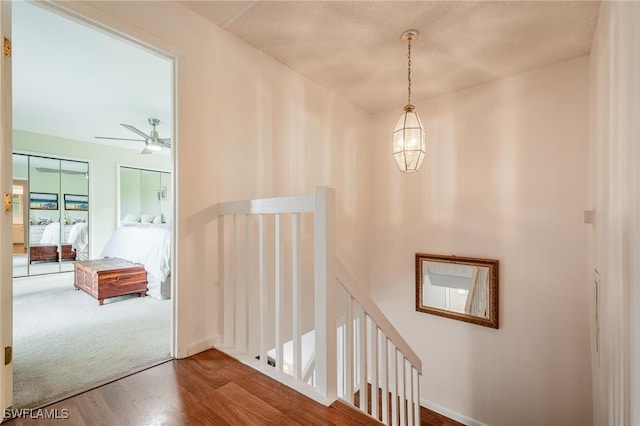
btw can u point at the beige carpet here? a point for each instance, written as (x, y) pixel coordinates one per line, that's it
(64, 342)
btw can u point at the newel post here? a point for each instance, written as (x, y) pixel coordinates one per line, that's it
(325, 291)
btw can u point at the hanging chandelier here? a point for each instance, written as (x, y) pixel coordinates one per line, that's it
(409, 137)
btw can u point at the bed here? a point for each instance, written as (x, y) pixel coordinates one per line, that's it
(148, 244)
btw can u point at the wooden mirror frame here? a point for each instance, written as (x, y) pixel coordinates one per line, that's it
(492, 264)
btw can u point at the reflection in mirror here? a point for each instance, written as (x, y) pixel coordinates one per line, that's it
(145, 195)
(50, 196)
(457, 287)
(20, 222)
(44, 215)
(74, 181)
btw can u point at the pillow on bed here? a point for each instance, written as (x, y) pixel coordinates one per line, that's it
(157, 219)
(131, 218)
(147, 218)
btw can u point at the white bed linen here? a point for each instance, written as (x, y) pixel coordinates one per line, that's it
(79, 238)
(148, 244)
(51, 235)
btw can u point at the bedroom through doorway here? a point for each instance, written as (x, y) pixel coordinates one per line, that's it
(94, 200)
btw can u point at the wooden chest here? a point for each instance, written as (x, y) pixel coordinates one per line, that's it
(110, 277)
(49, 253)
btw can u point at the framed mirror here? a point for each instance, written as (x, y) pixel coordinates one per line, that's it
(461, 288)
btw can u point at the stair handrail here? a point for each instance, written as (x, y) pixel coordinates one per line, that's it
(350, 284)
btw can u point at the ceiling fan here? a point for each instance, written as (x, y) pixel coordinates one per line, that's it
(151, 142)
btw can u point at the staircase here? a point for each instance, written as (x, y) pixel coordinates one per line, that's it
(290, 309)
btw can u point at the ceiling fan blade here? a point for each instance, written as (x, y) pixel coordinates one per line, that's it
(50, 170)
(119, 139)
(134, 130)
(165, 142)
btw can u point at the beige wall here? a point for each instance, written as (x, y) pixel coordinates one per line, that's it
(505, 177)
(615, 196)
(247, 127)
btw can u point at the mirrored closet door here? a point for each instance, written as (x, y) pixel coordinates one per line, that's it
(53, 214)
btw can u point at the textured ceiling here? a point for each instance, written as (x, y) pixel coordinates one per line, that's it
(354, 47)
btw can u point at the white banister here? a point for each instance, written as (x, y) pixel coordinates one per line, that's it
(279, 205)
(349, 283)
(274, 268)
(324, 291)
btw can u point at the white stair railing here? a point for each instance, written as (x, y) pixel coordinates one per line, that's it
(376, 360)
(290, 309)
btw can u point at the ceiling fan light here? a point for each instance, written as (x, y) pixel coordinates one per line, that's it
(154, 146)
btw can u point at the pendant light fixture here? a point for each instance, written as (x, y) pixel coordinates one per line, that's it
(409, 137)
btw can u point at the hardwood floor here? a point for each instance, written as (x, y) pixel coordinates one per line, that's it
(209, 388)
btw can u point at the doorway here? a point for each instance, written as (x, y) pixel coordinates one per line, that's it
(74, 331)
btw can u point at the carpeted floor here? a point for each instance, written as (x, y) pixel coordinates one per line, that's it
(64, 342)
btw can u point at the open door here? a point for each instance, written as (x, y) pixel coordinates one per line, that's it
(6, 231)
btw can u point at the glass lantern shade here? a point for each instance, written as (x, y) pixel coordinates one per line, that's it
(409, 141)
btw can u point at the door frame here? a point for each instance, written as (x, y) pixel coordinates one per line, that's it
(6, 229)
(82, 13)
(87, 14)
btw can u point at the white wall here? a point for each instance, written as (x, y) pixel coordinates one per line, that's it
(247, 127)
(103, 168)
(615, 196)
(505, 177)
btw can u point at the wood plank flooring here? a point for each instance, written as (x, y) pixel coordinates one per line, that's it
(209, 388)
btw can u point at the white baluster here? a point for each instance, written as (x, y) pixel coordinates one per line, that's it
(247, 284)
(402, 409)
(409, 388)
(262, 297)
(278, 295)
(348, 353)
(393, 370)
(221, 306)
(373, 329)
(416, 395)
(296, 296)
(362, 361)
(239, 307)
(384, 385)
(227, 295)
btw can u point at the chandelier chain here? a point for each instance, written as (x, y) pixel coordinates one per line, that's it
(409, 74)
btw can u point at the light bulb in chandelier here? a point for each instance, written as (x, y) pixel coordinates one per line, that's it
(409, 137)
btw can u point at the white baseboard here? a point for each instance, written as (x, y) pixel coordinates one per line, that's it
(200, 345)
(451, 414)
